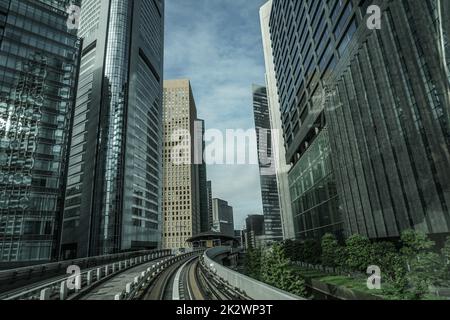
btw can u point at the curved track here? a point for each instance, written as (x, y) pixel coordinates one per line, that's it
(160, 289)
(193, 283)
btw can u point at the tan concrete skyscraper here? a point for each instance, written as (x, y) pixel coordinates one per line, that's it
(181, 209)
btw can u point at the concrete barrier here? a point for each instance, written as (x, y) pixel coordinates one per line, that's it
(254, 289)
(89, 278)
(45, 294)
(63, 291)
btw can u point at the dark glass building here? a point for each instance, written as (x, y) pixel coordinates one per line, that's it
(38, 64)
(388, 109)
(254, 231)
(209, 202)
(223, 218)
(304, 35)
(382, 99)
(268, 178)
(203, 185)
(114, 186)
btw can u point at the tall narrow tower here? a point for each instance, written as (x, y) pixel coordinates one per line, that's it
(182, 143)
(267, 168)
(115, 175)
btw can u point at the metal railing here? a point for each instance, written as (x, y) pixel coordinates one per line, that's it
(67, 285)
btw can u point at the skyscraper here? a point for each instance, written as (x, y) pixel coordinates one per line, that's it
(203, 185)
(388, 102)
(182, 147)
(223, 219)
(278, 149)
(268, 178)
(38, 64)
(113, 197)
(303, 36)
(209, 200)
(254, 230)
(365, 114)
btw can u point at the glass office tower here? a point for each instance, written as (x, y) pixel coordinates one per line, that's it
(383, 96)
(38, 63)
(209, 204)
(267, 168)
(202, 180)
(304, 35)
(387, 106)
(113, 198)
(313, 190)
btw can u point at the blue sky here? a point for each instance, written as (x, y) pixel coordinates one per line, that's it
(217, 45)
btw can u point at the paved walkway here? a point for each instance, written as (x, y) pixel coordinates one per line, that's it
(115, 285)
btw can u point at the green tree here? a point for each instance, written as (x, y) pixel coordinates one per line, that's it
(386, 256)
(332, 252)
(312, 251)
(424, 265)
(297, 251)
(415, 242)
(397, 284)
(359, 253)
(276, 271)
(252, 263)
(446, 260)
(425, 272)
(393, 269)
(289, 249)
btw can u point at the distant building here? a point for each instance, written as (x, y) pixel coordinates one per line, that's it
(223, 220)
(243, 238)
(267, 170)
(254, 231)
(209, 201)
(38, 68)
(203, 182)
(238, 236)
(181, 194)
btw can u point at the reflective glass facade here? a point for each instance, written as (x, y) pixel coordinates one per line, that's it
(203, 186)
(387, 109)
(314, 195)
(384, 97)
(113, 198)
(268, 178)
(38, 63)
(209, 203)
(308, 39)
